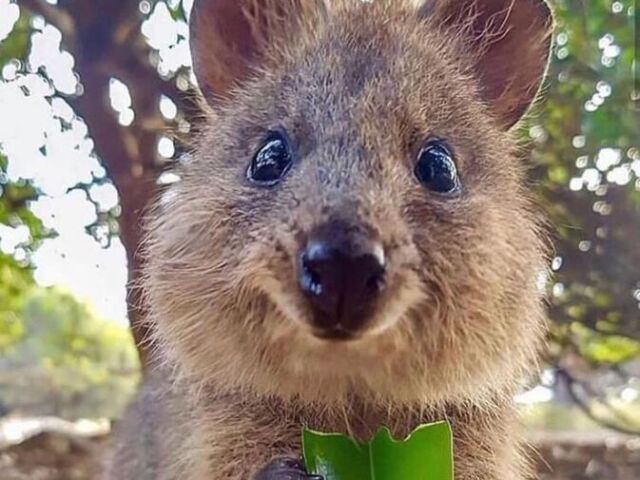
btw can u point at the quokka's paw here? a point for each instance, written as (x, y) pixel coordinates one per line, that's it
(285, 469)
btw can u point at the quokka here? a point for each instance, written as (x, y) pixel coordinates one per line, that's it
(352, 243)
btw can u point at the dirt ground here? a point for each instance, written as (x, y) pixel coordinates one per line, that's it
(56, 456)
(580, 456)
(52, 456)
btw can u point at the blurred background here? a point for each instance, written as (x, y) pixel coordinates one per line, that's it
(96, 105)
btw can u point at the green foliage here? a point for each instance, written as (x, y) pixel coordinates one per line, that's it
(604, 349)
(16, 45)
(15, 197)
(427, 454)
(586, 155)
(15, 276)
(56, 357)
(14, 280)
(68, 362)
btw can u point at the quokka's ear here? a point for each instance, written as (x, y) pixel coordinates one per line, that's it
(509, 42)
(229, 38)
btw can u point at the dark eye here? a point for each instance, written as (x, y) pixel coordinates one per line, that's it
(436, 169)
(272, 161)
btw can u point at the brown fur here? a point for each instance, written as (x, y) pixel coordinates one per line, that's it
(358, 87)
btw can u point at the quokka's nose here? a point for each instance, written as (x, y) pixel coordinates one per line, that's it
(342, 275)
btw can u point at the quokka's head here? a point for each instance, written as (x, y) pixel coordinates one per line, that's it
(353, 219)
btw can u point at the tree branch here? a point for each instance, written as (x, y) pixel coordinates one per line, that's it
(586, 408)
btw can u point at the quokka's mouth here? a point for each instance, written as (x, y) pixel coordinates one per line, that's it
(337, 335)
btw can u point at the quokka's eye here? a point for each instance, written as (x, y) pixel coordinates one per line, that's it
(436, 169)
(272, 161)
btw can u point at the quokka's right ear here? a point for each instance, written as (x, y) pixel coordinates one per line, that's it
(229, 38)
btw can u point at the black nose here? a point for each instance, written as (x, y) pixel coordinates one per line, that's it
(342, 275)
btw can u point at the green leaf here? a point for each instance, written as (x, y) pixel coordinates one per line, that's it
(335, 456)
(427, 454)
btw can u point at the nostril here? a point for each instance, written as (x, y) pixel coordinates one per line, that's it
(311, 281)
(376, 283)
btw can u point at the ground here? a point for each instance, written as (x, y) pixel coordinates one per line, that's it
(61, 456)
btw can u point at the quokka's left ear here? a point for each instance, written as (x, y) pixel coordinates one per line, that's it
(509, 42)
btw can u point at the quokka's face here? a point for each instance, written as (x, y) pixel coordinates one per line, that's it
(353, 216)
